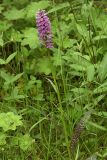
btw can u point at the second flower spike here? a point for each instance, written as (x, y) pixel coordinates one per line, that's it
(44, 28)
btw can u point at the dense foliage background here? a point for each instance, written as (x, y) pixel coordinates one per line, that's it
(53, 103)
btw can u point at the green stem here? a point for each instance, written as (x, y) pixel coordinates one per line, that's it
(62, 116)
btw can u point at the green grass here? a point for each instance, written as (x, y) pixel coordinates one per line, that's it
(53, 101)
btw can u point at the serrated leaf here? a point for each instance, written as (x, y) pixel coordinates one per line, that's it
(9, 78)
(57, 59)
(44, 66)
(5, 76)
(25, 142)
(9, 121)
(30, 38)
(35, 6)
(68, 43)
(16, 36)
(78, 58)
(14, 14)
(14, 78)
(15, 95)
(4, 25)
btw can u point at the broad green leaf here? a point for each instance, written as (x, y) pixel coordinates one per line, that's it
(77, 67)
(9, 78)
(4, 25)
(25, 142)
(101, 114)
(79, 59)
(39, 97)
(76, 73)
(15, 140)
(30, 38)
(97, 126)
(82, 30)
(1, 8)
(80, 90)
(2, 61)
(85, 10)
(35, 6)
(14, 14)
(59, 7)
(101, 88)
(15, 95)
(11, 57)
(9, 121)
(103, 85)
(57, 59)
(68, 43)
(31, 83)
(8, 59)
(24, 52)
(90, 73)
(14, 78)
(44, 66)
(16, 36)
(102, 71)
(2, 139)
(100, 37)
(5, 76)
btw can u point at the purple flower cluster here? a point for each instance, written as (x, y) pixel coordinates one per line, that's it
(78, 130)
(44, 28)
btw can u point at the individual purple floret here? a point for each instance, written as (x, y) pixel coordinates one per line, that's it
(44, 28)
